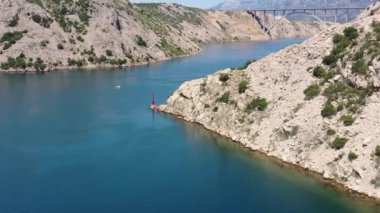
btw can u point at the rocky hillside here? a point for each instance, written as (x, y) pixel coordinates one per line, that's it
(43, 35)
(315, 104)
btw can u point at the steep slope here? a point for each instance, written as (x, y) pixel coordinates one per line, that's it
(315, 104)
(42, 35)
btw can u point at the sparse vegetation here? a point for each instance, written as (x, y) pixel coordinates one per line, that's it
(80, 38)
(243, 86)
(377, 151)
(169, 49)
(10, 38)
(225, 98)
(260, 104)
(60, 46)
(360, 67)
(352, 156)
(340, 93)
(246, 64)
(347, 120)
(319, 72)
(36, 18)
(224, 77)
(109, 53)
(339, 143)
(312, 91)
(330, 59)
(155, 16)
(328, 110)
(140, 41)
(351, 33)
(14, 21)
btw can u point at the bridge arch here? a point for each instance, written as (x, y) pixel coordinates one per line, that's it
(312, 12)
(276, 22)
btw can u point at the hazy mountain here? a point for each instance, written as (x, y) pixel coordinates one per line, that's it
(281, 4)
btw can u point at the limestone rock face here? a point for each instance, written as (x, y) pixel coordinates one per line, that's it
(291, 127)
(92, 33)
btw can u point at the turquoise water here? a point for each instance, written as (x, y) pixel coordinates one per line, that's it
(72, 142)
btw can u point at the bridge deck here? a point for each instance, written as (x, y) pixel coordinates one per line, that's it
(292, 9)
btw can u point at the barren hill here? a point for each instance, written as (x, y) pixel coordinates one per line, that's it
(42, 35)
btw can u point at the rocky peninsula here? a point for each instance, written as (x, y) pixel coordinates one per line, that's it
(315, 105)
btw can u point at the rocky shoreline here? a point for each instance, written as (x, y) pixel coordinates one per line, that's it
(362, 197)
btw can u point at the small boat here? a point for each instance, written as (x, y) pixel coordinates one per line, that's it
(153, 106)
(118, 87)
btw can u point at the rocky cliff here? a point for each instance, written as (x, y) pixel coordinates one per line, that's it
(315, 104)
(42, 35)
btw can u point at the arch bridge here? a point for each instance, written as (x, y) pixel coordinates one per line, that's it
(320, 14)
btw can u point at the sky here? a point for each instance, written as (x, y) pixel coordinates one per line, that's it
(193, 3)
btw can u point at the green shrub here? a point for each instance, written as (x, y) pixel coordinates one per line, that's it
(330, 59)
(224, 77)
(347, 120)
(11, 38)
(101, 59)
(170, 49)
(140, 41)
(39, 65)
(339, 143)
(245, 66)
(312, 91)
(376, 27)
(342, 90)
(359, 67)
(72, 41)
(79, 38)
(351, 33)
(243, 86)
(15, 63)
(36, 18)
(14, 21)
(78, 63)
(60, 46)
(338, 38)
(377, 151)
(84, 17)
(328, 110)
(260, 104)
(225, 98)
(109, 53)
(319, 72)
(352, 156)
(340, 47)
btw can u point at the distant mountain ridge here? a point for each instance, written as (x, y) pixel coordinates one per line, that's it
(283, 4)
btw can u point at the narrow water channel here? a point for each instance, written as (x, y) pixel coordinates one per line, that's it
(76, 142)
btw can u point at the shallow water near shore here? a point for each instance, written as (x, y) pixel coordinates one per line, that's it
(76, 142)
